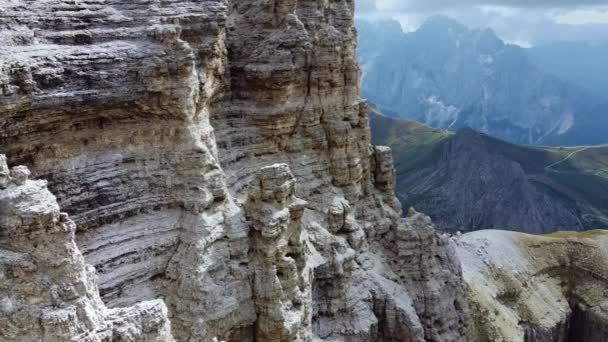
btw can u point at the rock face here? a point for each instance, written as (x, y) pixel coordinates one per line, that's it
(216, 155)
(533, 288)
(48, 292)
(281, 285)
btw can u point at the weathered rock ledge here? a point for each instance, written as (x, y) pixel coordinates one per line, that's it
(537, 288)
(215, 160)
(47, 291)
(214, 155)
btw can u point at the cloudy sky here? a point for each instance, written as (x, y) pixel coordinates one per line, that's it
(526, 22)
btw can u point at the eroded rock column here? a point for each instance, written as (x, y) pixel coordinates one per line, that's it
(281, 278)
(47, 292)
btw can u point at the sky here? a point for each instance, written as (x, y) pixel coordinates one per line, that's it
(523, 22)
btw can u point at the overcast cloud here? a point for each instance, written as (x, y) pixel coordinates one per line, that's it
(526, 22)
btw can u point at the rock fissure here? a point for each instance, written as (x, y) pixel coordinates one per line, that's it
(216, 159)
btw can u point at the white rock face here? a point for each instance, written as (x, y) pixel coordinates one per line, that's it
(536, 288)
(281, 285)
(20, 174)
(47, 292)
(216, 155)
(5, 177)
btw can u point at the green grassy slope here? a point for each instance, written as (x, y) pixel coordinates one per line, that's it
(415, 142)
(576, 177)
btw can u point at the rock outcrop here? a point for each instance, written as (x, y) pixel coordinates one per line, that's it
(174, 133)
(537, 288)
(47, 291)
(281, 278)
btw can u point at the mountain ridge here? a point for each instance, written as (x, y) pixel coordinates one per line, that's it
(450, 77)
(469, 180)
(581, 63)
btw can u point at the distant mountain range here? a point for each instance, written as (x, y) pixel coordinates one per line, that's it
(451, 77)
(584, 64)
(470, 181)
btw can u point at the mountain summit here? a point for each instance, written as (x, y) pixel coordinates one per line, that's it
(449, 76)
(469, 181)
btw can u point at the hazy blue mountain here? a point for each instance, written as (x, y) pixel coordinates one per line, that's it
(469, 181)
(448, 76)
(585, 64)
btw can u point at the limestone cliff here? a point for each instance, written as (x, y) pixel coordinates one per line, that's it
(214, 155)
(47, 291)
(537, 288)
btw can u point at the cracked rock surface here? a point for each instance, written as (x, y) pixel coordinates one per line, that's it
(47, 291)
(215, 158)
(537, 288)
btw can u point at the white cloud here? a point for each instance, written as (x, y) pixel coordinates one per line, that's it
(499, 10)
(583, 17)
(434, 5)
(527, 22)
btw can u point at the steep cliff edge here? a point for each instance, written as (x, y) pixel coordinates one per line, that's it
(215, 155)
(47, 291)
(537, 288)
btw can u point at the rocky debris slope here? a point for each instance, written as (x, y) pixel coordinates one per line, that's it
(170, 131)
(47, 291)
(537, 288)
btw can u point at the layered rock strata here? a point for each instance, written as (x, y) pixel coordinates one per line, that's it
(47, 291)
(537, 288)
(166, 129)
(281, 278)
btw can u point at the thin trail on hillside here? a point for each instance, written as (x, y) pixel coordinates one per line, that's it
(550, 167)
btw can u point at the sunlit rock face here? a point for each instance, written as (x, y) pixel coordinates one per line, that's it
(278, 257)
(215, 156)
(537, 288)
(48, 292)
